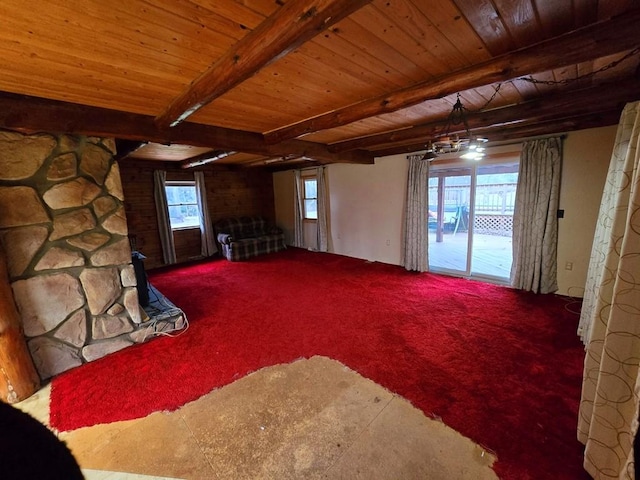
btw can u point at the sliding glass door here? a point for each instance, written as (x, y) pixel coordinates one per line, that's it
(449, 201)
(493, 220)
(470, 219)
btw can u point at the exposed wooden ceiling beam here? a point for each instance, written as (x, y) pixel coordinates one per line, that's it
(280, 161)
(25, 113)
(320, 152)
(125, 147)
(288, 164)
(289, 27)
(520, 132)
(556, 126)
(205, 158)
(594, 41)
(558, 105)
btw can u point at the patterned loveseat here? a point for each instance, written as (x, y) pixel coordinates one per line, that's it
(245, 237)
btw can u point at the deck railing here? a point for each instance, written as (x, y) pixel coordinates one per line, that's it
(494, 205)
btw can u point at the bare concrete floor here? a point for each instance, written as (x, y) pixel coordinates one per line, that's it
(311, 419)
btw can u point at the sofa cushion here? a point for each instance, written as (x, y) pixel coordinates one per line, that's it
(242, 227)
(252, 247)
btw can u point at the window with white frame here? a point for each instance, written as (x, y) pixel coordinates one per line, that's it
(182, 201)
(310, 198)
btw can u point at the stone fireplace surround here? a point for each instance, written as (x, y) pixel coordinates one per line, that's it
(64, 231)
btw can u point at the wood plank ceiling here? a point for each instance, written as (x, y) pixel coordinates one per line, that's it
(299, 82)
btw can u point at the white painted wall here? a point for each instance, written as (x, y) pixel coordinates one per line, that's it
(367, 204)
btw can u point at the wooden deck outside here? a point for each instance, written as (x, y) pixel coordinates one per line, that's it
(491, 257)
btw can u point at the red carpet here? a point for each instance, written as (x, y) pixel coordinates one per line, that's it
(500, 366)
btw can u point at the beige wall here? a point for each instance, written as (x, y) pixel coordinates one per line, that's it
(586, 156)
(367, 202)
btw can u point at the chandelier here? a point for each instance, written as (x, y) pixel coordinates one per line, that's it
(469, 146)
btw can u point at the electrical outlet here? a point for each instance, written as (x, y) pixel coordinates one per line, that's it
(388, 242)
(568, 266)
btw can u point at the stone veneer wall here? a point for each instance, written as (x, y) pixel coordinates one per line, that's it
(63, 227)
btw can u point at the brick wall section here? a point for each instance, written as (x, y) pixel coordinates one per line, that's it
(231, 191)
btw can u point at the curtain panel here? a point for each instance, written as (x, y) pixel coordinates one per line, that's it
(162, 214)
(415, 247)
(535, 222)
(610, 319)
(322, 228)
(207, 236)
(298, 209)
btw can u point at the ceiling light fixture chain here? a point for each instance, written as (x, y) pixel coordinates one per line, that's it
(486, 104)
(449, 142)
(566, 81)
(453, 143)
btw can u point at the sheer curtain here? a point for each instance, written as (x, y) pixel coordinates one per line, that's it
(416, 241)
(323, 234)
(162, 214)
(298, 226)
(610, 319)
(535, 219)
(207, 236)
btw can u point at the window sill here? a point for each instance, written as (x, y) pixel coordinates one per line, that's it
(179, 229)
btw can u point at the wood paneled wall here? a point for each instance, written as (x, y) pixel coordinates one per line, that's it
(230, 192)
